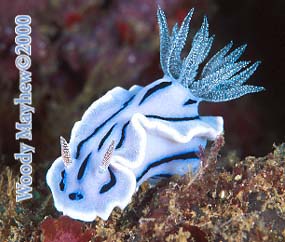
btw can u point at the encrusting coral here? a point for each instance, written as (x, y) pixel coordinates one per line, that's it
(242, 200)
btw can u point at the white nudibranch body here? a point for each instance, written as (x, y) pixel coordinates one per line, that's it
(129, 136)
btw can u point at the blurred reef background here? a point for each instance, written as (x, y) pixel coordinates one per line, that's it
(81, 49)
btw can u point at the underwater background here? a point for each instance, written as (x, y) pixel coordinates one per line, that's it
(80, 50)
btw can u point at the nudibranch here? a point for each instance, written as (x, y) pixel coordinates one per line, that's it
(129, 136)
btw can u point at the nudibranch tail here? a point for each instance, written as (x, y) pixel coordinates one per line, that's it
(222, 78)
(65, 152)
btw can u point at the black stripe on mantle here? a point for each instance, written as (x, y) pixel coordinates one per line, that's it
(182, 156)
(123, 135)
(110, 184)
(189, 102)
(61, 184)
(105, 137)
(154, 90)
(174, 119)
(82, 168)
